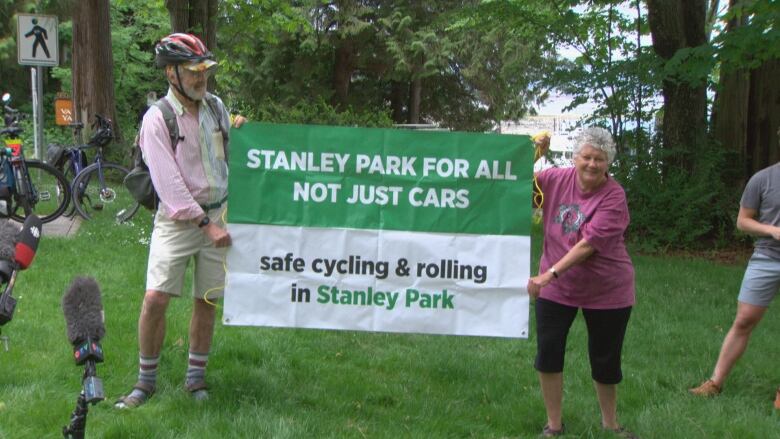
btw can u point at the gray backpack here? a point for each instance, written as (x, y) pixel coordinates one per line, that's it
(138, 181)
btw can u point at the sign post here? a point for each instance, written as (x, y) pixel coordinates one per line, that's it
(37, 46)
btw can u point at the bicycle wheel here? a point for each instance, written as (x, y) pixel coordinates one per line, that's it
(50, 192)
(99, 193)
(68, 172)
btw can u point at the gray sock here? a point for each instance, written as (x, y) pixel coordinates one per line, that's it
(147, 371)
(196, 368)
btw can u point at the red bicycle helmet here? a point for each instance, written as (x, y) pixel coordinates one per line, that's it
(180, 48)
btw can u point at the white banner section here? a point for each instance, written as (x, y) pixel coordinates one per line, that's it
(377, 280)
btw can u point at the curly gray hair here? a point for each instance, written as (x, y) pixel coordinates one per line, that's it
(596, 137)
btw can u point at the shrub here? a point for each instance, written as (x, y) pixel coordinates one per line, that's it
(677, 208)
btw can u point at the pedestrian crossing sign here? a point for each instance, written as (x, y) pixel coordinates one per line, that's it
(36, 40)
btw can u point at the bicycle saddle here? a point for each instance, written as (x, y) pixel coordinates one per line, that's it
(12, 131)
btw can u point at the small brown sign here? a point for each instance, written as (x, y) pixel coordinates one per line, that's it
(63, 109)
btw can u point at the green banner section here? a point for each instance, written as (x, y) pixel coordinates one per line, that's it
(391, 179)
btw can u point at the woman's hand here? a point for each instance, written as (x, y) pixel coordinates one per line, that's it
(542, 142)
(536, 283)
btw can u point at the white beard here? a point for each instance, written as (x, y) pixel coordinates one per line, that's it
(195, 94)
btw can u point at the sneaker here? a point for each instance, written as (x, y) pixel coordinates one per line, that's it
(706, 389)
(777, 399)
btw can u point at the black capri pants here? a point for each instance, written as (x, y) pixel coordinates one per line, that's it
(606, 330)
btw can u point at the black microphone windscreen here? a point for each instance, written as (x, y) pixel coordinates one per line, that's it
(9, 233)
(83, 311)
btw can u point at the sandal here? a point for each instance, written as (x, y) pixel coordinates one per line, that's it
(137, 397)
(549, 432)
(198, 390)
(622, 432)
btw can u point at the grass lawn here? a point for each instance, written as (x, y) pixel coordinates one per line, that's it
(289, 383)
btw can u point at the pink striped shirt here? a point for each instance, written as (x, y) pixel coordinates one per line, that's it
(197, 174)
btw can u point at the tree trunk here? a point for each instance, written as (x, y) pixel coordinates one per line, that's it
(93, 63)
(746, 114)
(344, 65)
(397, 99)
(763, 118)
(675, 25)
(197, 17)
(415, 93)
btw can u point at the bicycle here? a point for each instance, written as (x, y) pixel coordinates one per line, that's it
(29, 185)
(97, 189)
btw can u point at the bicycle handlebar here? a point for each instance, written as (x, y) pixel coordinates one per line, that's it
(104, 131)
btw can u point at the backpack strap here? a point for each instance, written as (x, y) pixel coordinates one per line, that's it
(216, 110)
(169, 115)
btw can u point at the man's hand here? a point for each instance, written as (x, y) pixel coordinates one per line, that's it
(219, 236)
(238, 120)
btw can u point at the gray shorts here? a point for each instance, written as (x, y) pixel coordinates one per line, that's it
(174, 244)
(761, 281)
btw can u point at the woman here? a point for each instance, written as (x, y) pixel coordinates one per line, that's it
(584, 265)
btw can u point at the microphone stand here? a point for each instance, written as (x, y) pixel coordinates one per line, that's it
(78, 419)
(88, 353)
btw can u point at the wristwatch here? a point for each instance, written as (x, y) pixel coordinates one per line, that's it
(204, 222)
(554, 273)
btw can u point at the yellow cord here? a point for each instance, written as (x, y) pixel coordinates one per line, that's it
(538, 195)
(224, 267)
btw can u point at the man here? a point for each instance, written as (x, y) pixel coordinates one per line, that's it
(191, 181)
(759, 215)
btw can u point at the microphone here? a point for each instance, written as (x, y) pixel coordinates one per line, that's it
(8, 236)
(83, 311)
(28, 241)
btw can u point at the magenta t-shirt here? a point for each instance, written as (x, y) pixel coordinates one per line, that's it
(605, 280)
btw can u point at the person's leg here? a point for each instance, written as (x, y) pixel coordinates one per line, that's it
(607, 396)
(777, 399)
(606, 332)
(736, 340)
(208, 288)
(552, 393)
(151, 333)
(151, 323)
(760, 284)
(168, 256)
(201, 334)
(553, 321)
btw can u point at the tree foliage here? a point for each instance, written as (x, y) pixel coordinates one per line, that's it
(470, 64)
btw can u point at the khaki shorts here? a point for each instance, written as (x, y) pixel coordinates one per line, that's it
(173, 244)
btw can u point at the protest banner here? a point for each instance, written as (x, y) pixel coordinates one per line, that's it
(379, 230)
